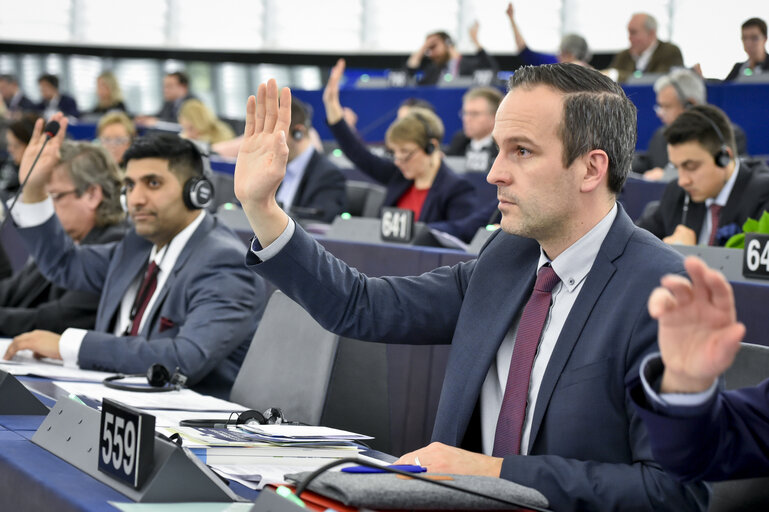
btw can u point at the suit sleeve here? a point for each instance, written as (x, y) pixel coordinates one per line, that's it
(346, 302)
(82, 268)
(72, 309)
(733, 73)
(222, 304)
(725, 438)
(380, 169)
(660, 220)
(571, 484)
(327, 193)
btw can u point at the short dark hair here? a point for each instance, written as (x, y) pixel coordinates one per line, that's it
(184, 158)
(182, 77)
(696, 124)
(417, 102)
(755, 22)
(53, 80)
(7, 77)
(22, 129)
(301, 113)
(445, 37)
(596, 114)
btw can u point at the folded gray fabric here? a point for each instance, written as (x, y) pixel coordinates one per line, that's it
(389, 492)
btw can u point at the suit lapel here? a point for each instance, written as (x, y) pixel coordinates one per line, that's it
(731, 211)
(201, 232)
(600, 274)
(131, 260)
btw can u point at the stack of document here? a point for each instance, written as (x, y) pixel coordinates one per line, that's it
(262, 454)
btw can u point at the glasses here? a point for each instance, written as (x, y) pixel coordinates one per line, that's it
(401, 157)
(114, 141)
(56, 196)
(754, 37)
(659, 109)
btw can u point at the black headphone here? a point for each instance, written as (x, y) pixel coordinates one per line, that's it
(158, 378)
(198, 192)
(721, 157)
(297, 134)
(429, 146)
(271, 416)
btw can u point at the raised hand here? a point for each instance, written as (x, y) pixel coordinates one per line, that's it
(334, 111)
(262, 159)
(474, 34)
(509, 11)
(34, 190)
(698, 330)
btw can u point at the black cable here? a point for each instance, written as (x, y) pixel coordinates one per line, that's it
(301, 487)
(50, 130)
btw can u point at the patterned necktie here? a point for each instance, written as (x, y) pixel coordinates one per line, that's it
(146, 291)
(507, 438)
(715, 209)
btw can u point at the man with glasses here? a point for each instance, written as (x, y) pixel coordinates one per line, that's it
(85, 191)
(474, 142)
(677, 91)
(754, 43)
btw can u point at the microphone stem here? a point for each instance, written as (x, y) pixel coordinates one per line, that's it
(21, 187)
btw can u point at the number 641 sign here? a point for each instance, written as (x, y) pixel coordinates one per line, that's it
(126, 442)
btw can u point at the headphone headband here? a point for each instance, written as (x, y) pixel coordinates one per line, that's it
(721, 157)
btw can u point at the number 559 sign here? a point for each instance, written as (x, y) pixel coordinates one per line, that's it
(756, 259)
(126, 442)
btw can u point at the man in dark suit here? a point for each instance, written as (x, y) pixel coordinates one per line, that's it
(566, 352)
(697, 431)
(15, 100)
(716, 192)
(53, 100)
(85, 190)
(174, 291)
(646, 53)
(438, 56)
(754, 43)
(314, 188)
(176, 90)
(474, 141)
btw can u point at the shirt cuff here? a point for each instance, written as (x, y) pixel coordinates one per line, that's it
(276, 246)
(69, 346)
(651, 375)
(28, 215)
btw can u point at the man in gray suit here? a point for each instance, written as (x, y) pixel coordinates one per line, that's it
(174, 291)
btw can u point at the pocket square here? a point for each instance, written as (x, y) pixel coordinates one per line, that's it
(166, 323)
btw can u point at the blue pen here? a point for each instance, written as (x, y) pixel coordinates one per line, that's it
(403, 467)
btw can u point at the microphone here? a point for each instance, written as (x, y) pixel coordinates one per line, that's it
(50, 131)
(685, 209)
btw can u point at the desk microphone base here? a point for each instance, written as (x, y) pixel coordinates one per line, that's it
(15, 399)
(71, 432)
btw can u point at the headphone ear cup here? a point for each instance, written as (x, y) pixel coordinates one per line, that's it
(158, 376)
(250, 415)
(124, 199)
(297, 135)
(430, 148)
(722, 157)
(198, 193)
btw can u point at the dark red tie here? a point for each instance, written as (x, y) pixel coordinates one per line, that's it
(507, 438)
(715, 209)
(146, 290)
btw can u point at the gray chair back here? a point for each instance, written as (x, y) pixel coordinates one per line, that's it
(289, 363)
(364, 199)
(750, 367)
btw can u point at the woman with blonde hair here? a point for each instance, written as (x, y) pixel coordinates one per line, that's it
(108, 93)
(200, 124)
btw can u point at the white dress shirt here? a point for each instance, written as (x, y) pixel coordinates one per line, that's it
(643, 60)
(294, 174)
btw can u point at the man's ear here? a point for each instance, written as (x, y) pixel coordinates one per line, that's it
(596, 169)
(93, 195)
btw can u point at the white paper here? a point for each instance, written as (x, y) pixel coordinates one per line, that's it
(305, 431)
(24, 363)
(183, 399)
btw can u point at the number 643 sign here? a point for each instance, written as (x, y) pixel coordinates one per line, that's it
(126, 442)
